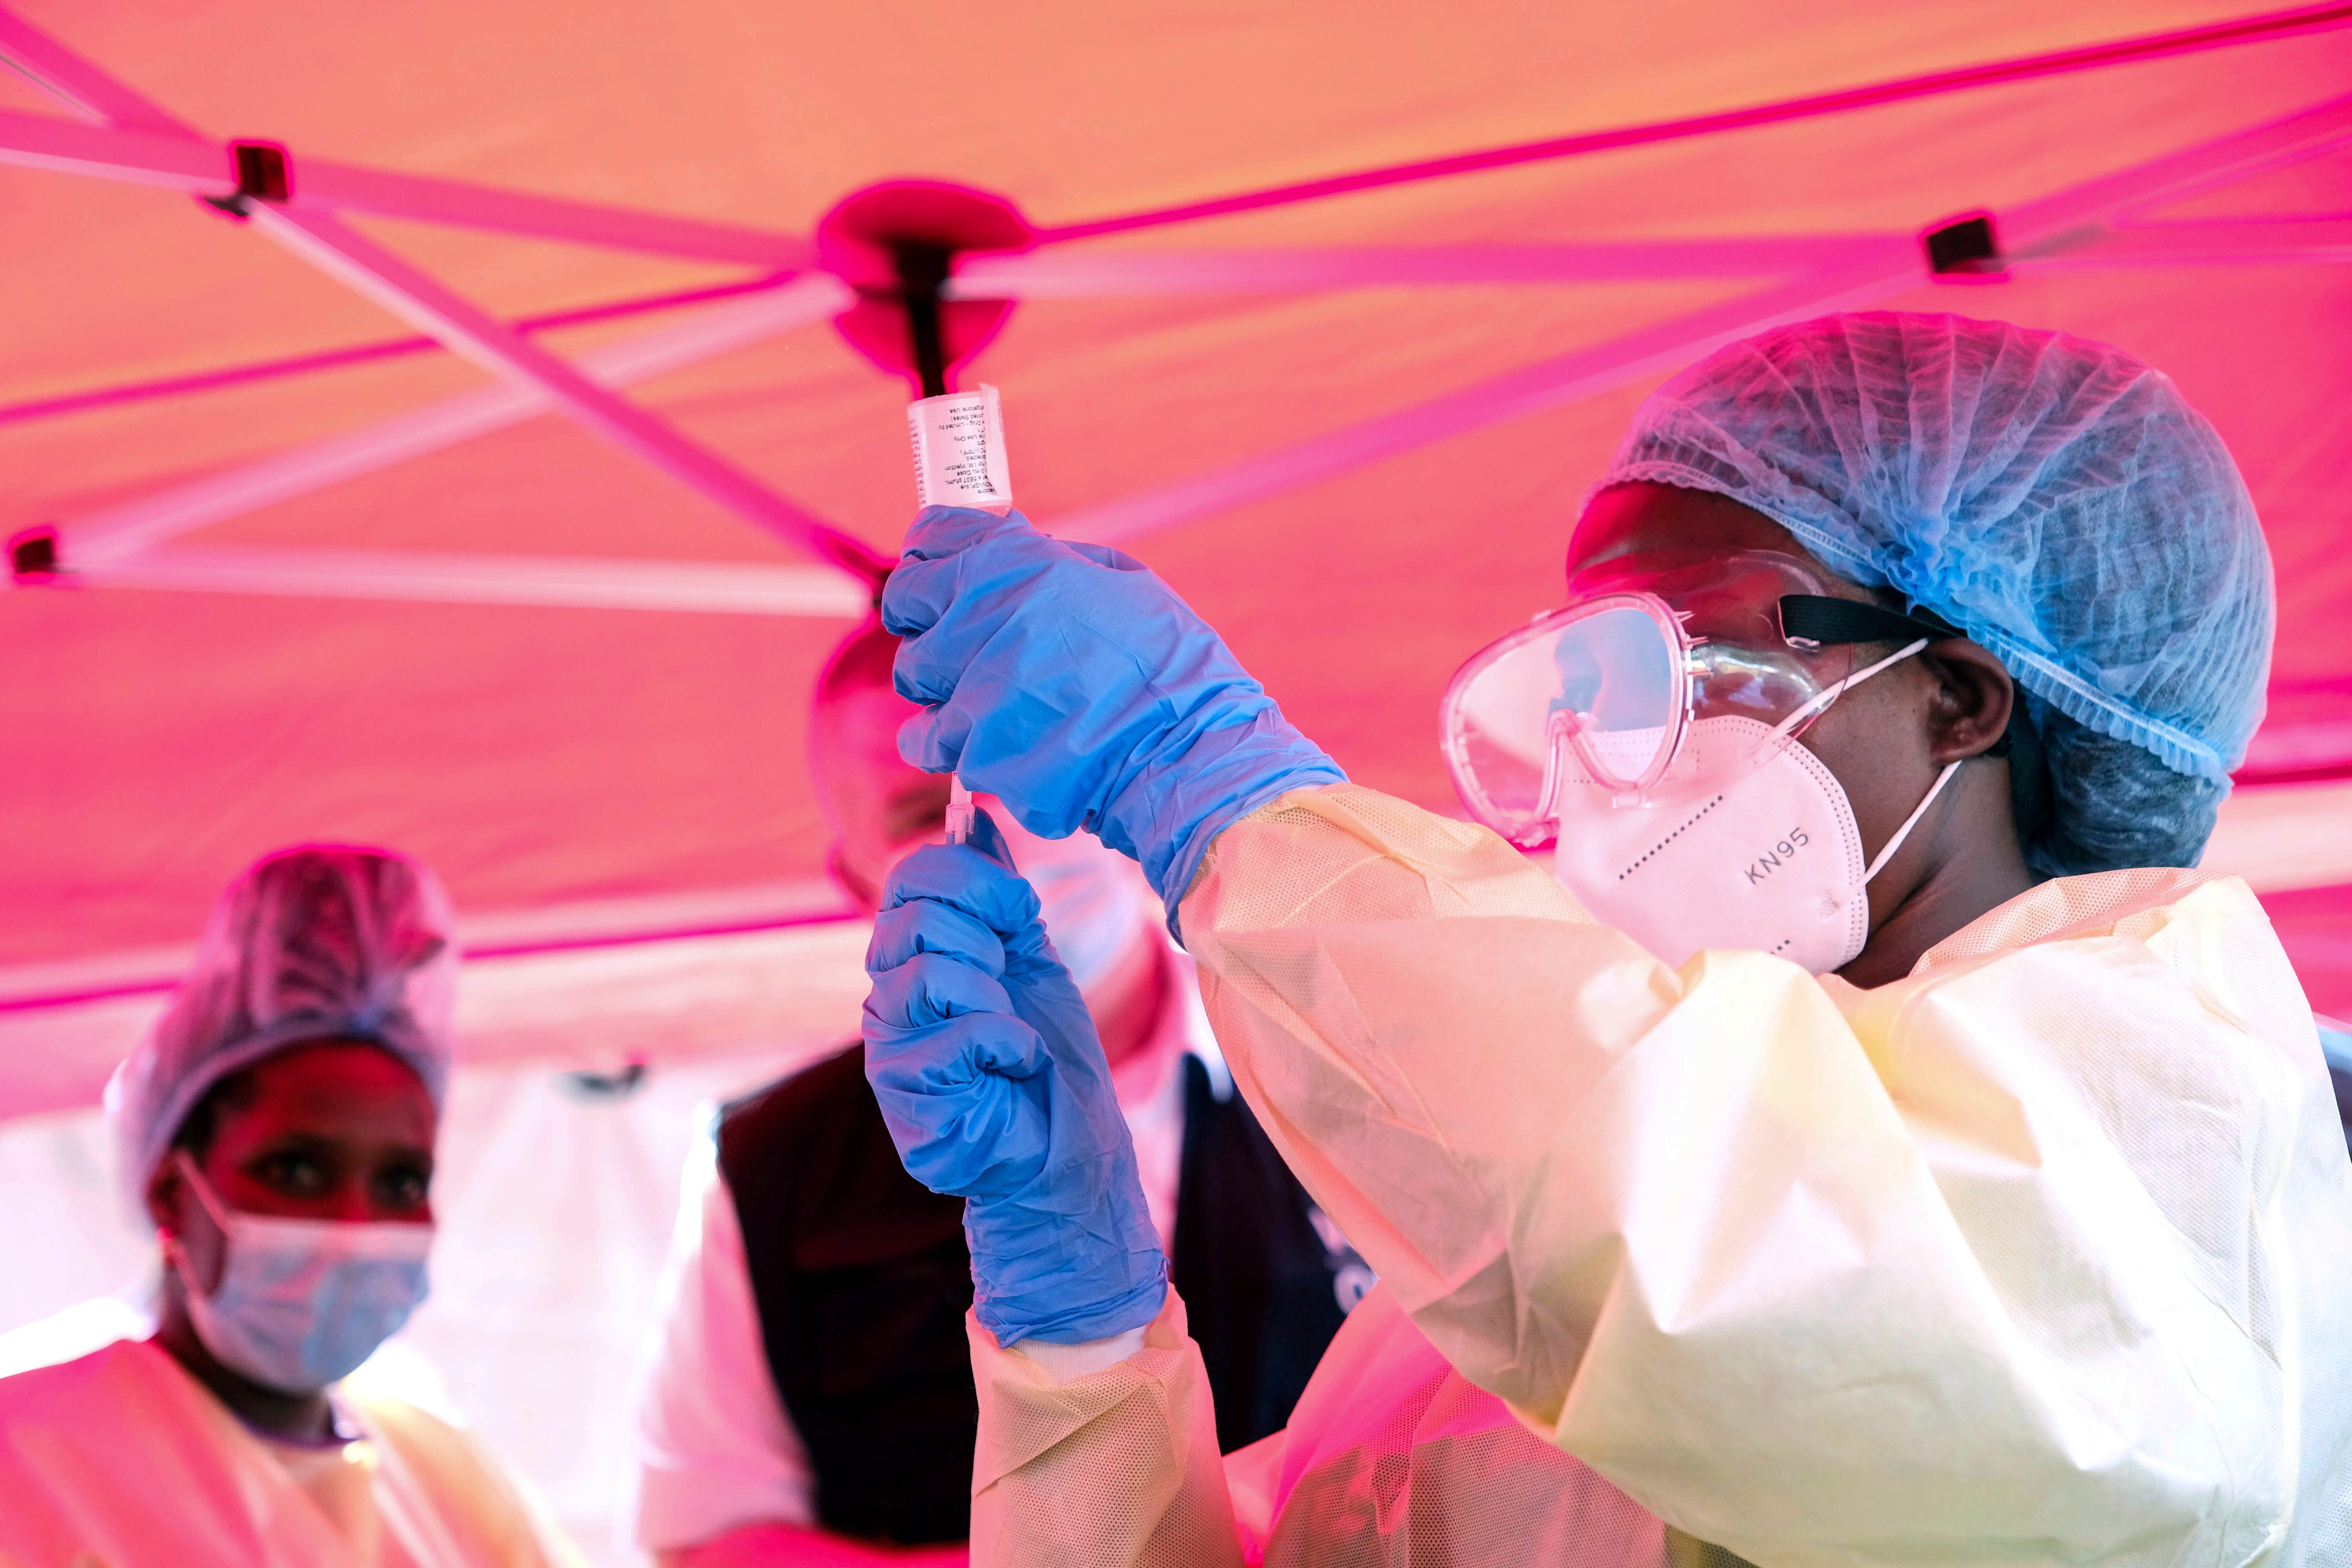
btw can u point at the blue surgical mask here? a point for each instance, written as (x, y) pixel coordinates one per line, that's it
(301, 1302)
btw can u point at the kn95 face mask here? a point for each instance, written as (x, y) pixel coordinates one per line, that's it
(1768, 860)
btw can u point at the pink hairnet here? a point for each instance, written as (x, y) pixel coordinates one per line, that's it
(323, 941)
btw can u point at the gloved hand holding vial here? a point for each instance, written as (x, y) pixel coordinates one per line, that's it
(958, 444)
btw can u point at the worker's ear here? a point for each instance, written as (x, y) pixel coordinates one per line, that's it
(166, 1190)
(1969, 711)
(179, 1213)
(863, 891)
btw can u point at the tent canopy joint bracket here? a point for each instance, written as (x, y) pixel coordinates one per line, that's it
(1965, 248)
(33, 555)
(264, 174)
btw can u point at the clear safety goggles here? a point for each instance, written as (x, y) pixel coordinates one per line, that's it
(1603, 695)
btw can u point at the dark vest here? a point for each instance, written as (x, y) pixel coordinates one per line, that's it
(862, 1282)
(2343, 1082)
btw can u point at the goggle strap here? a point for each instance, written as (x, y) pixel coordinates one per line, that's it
(1829, 694)
(1822, 622)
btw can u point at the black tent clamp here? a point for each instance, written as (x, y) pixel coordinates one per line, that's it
(1966, 247)
(32, 556)
(264, 174)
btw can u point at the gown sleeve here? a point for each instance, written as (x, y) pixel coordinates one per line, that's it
(447, 1499)
(1997, 1263)
(1114, 1469)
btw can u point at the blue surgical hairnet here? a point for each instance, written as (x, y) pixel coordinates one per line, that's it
(2053, 497)
(315, 943)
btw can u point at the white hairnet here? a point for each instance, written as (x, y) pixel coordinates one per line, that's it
(320, 941)
(2053, 497)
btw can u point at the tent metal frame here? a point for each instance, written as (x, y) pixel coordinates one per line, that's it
(220, 378)
(1869, 272)
(132, 138)
(1195, 271)
(106, 538)
(1934, 84)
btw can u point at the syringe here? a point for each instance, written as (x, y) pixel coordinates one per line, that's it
(958, 439)
(960, 810)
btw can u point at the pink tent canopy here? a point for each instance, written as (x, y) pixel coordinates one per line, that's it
(489, 482)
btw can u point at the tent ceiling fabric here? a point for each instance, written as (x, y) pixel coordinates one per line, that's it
(154, 741)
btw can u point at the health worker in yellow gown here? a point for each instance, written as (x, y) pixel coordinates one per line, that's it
(278, 1127)
(1813, 1114)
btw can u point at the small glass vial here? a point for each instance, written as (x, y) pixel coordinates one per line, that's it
(958, 441)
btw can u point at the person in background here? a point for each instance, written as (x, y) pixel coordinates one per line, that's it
(1870, 1145)
(278, 1127)
(808, 1395)
(2336, 1044)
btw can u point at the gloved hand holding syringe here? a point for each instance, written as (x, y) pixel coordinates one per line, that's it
(959, 442)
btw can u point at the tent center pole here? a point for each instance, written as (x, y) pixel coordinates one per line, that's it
(922, 273)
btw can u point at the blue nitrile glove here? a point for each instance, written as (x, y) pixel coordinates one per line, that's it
(1076, 687)
(995, 1088)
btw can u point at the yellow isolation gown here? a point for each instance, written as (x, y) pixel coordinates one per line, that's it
(2041, 1254)
(120, 1459)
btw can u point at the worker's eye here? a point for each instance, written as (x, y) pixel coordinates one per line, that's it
(403, 1186)
(295, 1172)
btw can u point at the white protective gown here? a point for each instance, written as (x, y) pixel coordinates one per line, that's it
(120, 1459)
(2040, 1254)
